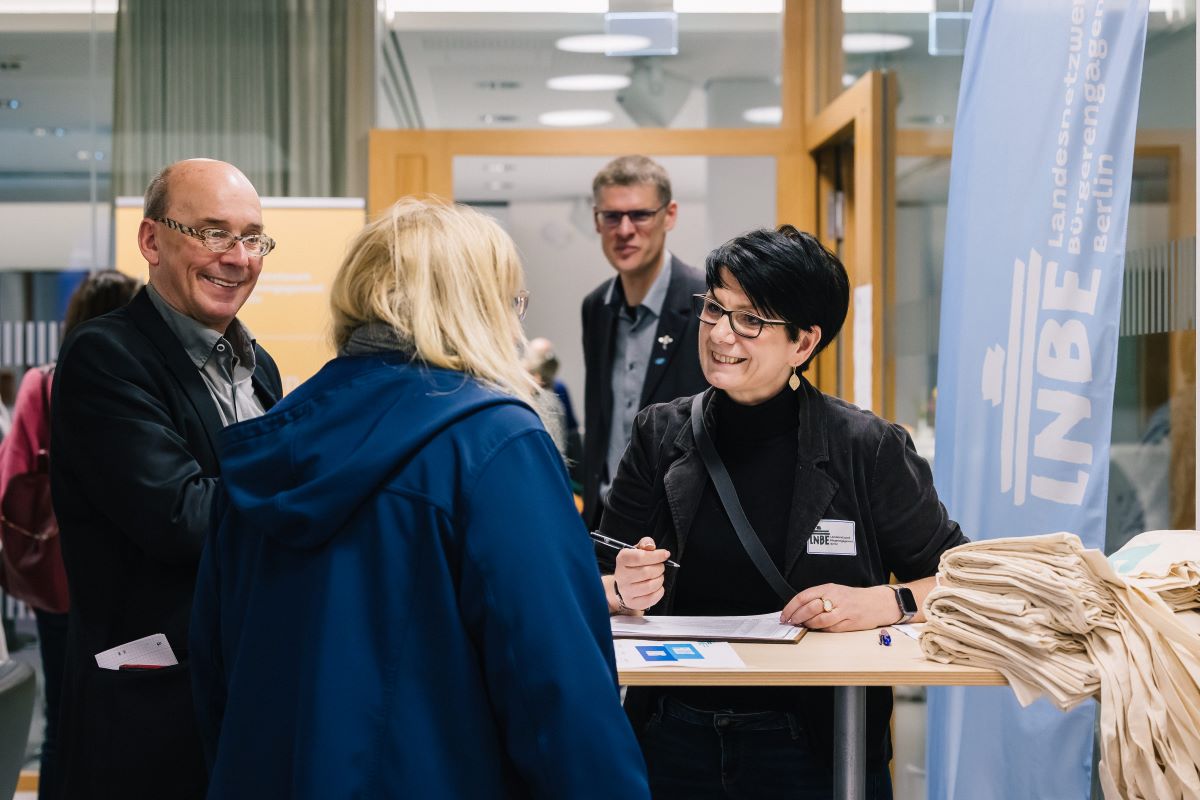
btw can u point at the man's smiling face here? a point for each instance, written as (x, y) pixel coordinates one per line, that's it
(206, 286)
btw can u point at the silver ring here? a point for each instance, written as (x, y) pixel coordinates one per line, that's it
(826, 604)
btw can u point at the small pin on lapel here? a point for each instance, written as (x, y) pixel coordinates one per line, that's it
(665, 341)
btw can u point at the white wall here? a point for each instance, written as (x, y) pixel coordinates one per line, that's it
(55, 236)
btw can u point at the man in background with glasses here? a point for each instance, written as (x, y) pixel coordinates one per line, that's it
(140, 396)
(639, 332)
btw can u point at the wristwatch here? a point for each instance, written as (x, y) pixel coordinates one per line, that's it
(906, 602)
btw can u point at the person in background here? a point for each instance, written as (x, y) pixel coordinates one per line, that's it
(139, 398)
(400, 599)
(542, 363)
(99, 293)
(638, 325)
(837, 500)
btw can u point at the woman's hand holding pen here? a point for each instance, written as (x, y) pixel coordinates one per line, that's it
(638, 578)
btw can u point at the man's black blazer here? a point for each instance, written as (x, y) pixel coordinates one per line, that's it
(133, 476)
(674, 369)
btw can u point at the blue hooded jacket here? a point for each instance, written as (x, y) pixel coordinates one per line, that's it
(400, 600)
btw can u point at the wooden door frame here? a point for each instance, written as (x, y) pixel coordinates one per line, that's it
(864, 114)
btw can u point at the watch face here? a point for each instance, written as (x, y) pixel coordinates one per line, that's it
(906, 601)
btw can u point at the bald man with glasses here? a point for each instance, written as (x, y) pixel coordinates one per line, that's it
(140, 396)
(639, 332)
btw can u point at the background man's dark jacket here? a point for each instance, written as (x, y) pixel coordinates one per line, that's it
(674, 369)
(133, 475)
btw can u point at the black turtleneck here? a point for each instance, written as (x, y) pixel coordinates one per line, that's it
(758, 445)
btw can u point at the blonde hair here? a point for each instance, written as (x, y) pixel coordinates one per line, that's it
(444, 276)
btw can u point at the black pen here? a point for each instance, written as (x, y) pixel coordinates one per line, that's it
(617, 544)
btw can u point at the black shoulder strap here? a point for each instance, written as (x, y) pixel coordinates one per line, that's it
(733, 507)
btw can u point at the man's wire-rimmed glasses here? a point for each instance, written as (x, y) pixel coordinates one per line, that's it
(222, 241)
(743, 323)
(640, 217)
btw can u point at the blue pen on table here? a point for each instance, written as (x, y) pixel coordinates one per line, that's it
(885, 637)
(617, 544)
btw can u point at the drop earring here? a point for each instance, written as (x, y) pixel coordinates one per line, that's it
(794, 381)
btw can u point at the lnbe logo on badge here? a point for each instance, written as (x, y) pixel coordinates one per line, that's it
(1044, 370)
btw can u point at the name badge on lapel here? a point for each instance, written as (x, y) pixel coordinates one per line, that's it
(833, 537)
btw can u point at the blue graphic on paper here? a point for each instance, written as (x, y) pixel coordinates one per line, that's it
(1035, 241)
(684, 651)
(655, 652)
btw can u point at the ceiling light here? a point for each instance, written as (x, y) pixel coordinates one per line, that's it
(498, 167)
(497, 119)
(82, 155)
(888, 6)
(40, 131)
(60, 133)
(763, 115)
(848, 80)
(485, 6)
(12, 103)
(727, 7)
(602, 43)
(875, 42)
(588, 83)
(58, 6)
(575, 117)
(499, 186)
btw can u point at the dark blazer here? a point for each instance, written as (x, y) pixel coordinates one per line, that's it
(679, 374)
(133, 476)
(850, 465)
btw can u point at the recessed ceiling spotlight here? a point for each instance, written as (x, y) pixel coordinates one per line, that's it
(498, 167)
(875, 42)
(578, 117)
(602, 43)
(60, 133)
(499, 186)
(728, 7)
(497, 85)
(39, 131)
(763, 115)
(497, 119)
(82, 155)
(10, 102)
(888, 6)
(588, 83)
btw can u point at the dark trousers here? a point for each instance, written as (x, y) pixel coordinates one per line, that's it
(693, 754)
(52, 639)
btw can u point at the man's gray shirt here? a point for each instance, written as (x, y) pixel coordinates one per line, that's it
(226, 363)
(632, 346)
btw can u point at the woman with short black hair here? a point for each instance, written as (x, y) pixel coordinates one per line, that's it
(836, 500)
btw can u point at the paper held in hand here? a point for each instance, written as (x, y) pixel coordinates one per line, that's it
(755, 628)
(148, 652)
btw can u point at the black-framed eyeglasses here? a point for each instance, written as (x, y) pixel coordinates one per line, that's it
(521, 303)
(640, 217)
(222, 241)
(743, 323)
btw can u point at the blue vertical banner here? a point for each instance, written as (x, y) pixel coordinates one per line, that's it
(1031, 295)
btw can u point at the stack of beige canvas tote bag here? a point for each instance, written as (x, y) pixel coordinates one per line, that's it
(1063, 621)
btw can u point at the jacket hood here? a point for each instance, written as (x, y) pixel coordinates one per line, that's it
(301, 471)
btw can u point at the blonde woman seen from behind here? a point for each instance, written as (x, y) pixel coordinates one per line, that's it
(400, 599)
